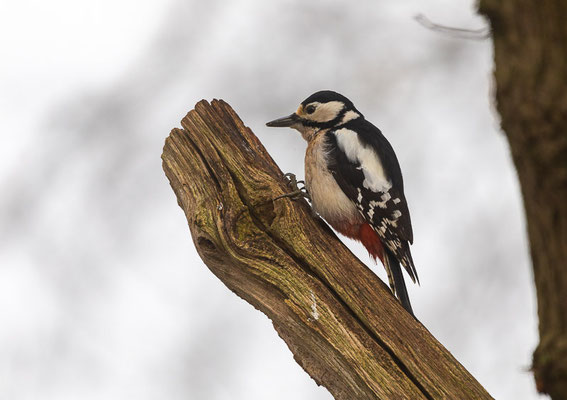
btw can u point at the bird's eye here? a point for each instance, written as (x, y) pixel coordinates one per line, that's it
(310, 109)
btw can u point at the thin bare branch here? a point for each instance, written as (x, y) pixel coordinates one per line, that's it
(472, 34)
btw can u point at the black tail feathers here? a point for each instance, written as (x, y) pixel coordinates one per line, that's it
(398, 282)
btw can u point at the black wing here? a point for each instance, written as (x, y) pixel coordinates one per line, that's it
(387, 212)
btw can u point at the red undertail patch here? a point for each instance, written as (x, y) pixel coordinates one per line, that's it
(370, 239)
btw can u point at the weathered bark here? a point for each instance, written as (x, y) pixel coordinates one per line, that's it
(340, 321)
(530, 50)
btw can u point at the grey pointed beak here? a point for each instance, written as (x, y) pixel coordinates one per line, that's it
(283, 122)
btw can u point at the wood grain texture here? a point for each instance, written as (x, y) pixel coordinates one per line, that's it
(530, 52)
(340, 320)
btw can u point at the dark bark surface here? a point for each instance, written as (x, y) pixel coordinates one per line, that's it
(530, 50)
(340, 321)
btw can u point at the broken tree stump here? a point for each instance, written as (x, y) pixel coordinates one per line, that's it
(338, 318)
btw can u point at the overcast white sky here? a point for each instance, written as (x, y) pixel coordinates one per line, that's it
(102, 294)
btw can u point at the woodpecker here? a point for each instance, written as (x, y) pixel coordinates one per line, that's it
(355, 183)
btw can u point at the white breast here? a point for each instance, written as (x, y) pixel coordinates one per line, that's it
(329, 201)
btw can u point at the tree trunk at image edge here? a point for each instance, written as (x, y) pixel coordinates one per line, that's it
(530, 50)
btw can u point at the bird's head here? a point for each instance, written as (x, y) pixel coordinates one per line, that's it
(322, 110)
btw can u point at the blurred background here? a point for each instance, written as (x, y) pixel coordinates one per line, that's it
(102, 294)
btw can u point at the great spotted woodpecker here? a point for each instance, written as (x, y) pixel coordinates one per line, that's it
(354, 181)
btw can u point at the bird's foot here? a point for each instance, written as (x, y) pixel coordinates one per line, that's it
(297, 191)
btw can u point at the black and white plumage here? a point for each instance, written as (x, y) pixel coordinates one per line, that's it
(355, 182)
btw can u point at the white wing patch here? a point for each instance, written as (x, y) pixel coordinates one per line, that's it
(374, 177)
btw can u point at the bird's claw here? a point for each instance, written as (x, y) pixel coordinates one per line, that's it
(297, 191)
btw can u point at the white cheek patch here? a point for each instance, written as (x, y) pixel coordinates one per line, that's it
(326, 112)
(374, 177)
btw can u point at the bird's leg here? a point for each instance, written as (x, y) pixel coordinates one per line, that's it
(297, 192)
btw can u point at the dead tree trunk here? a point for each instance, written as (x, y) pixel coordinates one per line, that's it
(340, 321)
(530, 50)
